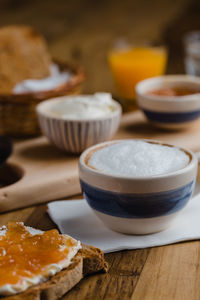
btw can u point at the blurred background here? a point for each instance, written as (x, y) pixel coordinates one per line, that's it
(83, 31)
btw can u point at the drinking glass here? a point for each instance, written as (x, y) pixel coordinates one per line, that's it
(192, 53)
(129, 66)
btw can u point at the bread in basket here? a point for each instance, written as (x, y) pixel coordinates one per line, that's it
(24, 55)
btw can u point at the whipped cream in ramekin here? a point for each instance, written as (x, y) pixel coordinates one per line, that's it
(82, 107)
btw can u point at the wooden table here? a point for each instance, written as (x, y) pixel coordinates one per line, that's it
(168, 272)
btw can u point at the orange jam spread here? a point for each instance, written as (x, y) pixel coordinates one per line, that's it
(23, 255)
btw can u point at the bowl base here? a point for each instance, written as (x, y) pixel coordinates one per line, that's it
(173, 126)
(136, 226)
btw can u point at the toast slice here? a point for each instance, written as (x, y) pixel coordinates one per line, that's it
(88, 260)
(23, 55)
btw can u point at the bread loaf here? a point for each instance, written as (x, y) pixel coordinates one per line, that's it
(23, 55)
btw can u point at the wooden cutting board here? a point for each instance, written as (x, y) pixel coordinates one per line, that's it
(49, 174)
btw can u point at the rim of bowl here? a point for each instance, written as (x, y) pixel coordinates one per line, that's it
(168, 79)
(193, 160)
(49, 102)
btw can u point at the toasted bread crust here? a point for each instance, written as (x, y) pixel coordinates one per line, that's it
(87, 261)
(93, 260)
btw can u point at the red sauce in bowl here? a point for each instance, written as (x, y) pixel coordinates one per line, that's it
(174, 91)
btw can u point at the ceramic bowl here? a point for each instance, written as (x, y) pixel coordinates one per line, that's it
(76, 135)
(135, 205)
(172, 112)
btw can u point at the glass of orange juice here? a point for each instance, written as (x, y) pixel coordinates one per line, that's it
(129, 66)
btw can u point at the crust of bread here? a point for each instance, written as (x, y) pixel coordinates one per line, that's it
(23, 55)
(87, 261)
(93, 260)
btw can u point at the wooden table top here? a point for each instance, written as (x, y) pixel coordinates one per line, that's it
(168, 272)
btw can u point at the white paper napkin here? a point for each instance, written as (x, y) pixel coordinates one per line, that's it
(74, 217)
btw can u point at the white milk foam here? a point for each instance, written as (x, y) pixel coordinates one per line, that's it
(138, 159)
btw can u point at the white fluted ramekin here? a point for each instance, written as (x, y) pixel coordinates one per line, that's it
(77, 135)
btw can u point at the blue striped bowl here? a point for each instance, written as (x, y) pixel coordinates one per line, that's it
(76, 135)
(169, 112)
(136, 205)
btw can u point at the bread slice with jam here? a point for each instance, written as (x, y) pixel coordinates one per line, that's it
(88, 260)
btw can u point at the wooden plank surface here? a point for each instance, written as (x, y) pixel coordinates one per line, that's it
(171, 272)
(160, 273)
(135, 125)
(50, 174)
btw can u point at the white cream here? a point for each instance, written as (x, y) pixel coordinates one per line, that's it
(138, 159)
(83, 107)
(55, 79)
(50, 270)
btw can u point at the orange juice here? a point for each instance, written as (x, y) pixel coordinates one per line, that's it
(128, 67)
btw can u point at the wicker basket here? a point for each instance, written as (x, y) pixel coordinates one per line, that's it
(17, 112)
